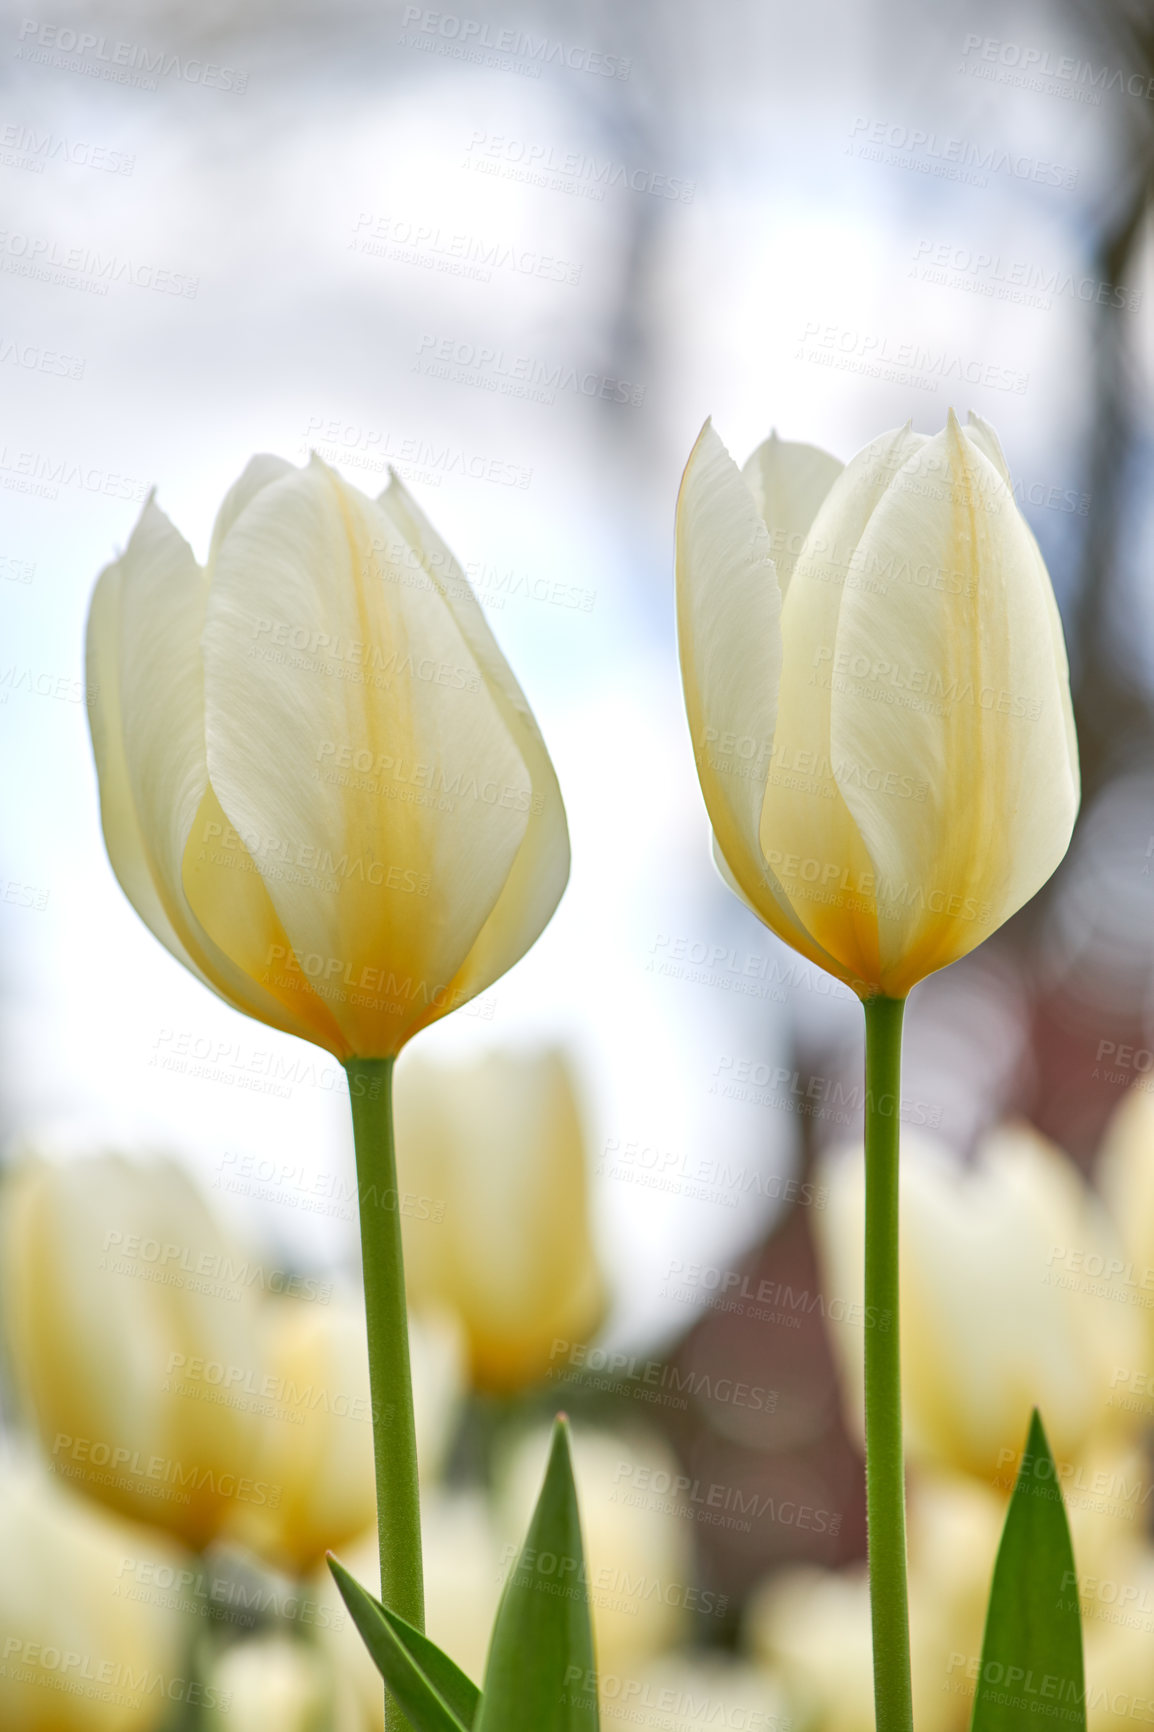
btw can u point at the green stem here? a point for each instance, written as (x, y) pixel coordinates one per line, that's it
(885, 1474)
(390, 1380)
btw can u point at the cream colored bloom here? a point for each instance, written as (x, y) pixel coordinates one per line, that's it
(639, 1551)
(321, 786)
(115, 1283)
(88, 1645)
(812, 1626)
(683, 1692)
(998, 1311)
(281, 1684)
(317, 1412)
(878, 695)
(492, 1154)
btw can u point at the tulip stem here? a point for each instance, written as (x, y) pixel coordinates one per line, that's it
(390, 1379)
(885, 1473)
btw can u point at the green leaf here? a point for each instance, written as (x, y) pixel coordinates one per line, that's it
(541, 1673)
(1032, 1652)
(434, 1693)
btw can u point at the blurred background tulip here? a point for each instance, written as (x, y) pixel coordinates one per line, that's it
(116, 1280)
(316, 1425)
(81, 1651)
(276, 1684)
(993, 1320)
(498, 1145)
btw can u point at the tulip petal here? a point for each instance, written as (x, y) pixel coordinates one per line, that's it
(788, 482)
(367, 758)
(127, 847)
(953, 690)
(148, 736)
(541, 868)
(807, 833)
(260, 471)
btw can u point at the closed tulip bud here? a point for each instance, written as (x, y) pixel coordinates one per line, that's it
(320, 784)
(316, 1409)
(496, 1208)
(124, 1303)
(1003, 1303)
(637, 1541)
(89, 1643)
(878, 695)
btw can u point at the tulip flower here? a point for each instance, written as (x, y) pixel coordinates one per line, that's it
(878, 695)
(879, 702)
(322, 788)
(114, 1278)
(997, 1313)
(89, 1645)
(493, 1150)
(320, 784)
(317, 1417)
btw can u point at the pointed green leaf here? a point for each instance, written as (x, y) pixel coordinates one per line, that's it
(434, 1693)
(1032, 1652)
(541, 1672)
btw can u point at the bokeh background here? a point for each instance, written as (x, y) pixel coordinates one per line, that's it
(520, 253)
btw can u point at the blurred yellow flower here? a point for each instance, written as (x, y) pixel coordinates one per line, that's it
(812, 1626)
(999, 1312)
(639, 1550)
(878, 695)
(116, 1287)
(86, 1647)
(682, 1692)
(316, 1409)
(492, 1162)
(320, 784)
